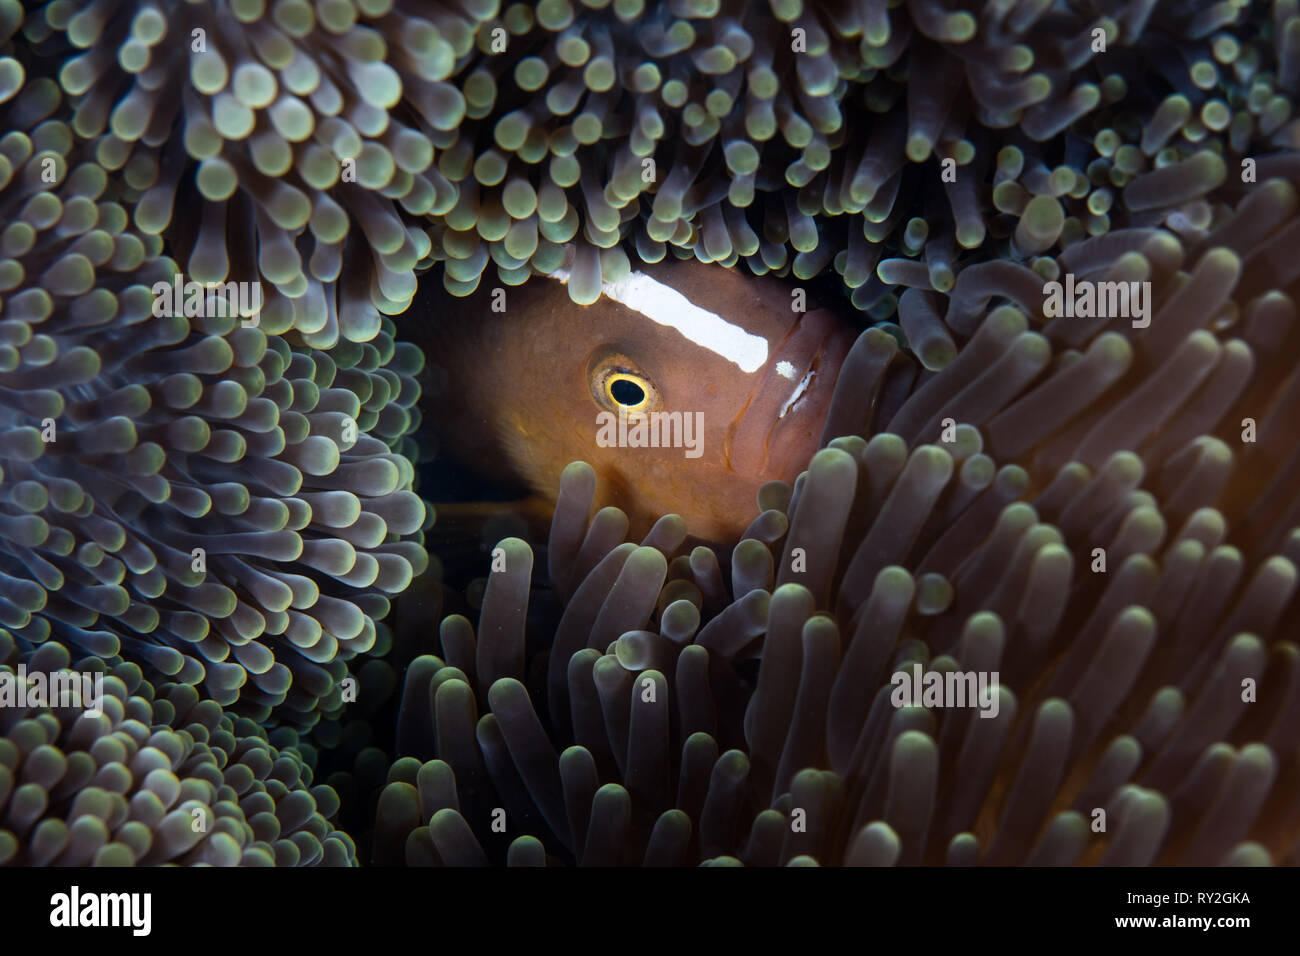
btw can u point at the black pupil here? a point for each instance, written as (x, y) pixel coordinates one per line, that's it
(627, 392)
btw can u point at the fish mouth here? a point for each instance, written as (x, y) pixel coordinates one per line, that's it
(780, 425)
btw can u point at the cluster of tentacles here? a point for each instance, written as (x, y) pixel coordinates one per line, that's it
(218, 515)
(1106, 516)
(152, 776)
(181, 485)
(391, 134)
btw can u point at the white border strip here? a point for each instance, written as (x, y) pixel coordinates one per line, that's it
(665, 305)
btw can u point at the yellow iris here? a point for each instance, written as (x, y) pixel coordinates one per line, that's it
(630, 392)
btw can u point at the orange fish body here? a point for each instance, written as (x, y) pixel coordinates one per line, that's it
(712, 365)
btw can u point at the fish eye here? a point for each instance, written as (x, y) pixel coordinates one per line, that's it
(617, 385)
(626, 391)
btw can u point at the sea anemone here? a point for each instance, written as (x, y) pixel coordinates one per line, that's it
(279, 120)
(151, 777)
(793, 136)
(1146, 711)
(1104, 514)
(182, 488)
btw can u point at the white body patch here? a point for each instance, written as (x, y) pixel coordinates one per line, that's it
(666, 306)
(785, 370)
(798, 391)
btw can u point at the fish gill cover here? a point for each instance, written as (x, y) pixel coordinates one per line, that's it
(1105, 514)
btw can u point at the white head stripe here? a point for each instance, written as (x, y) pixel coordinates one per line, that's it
(666, 306)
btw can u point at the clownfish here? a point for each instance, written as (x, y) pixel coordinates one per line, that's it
(686, 386)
